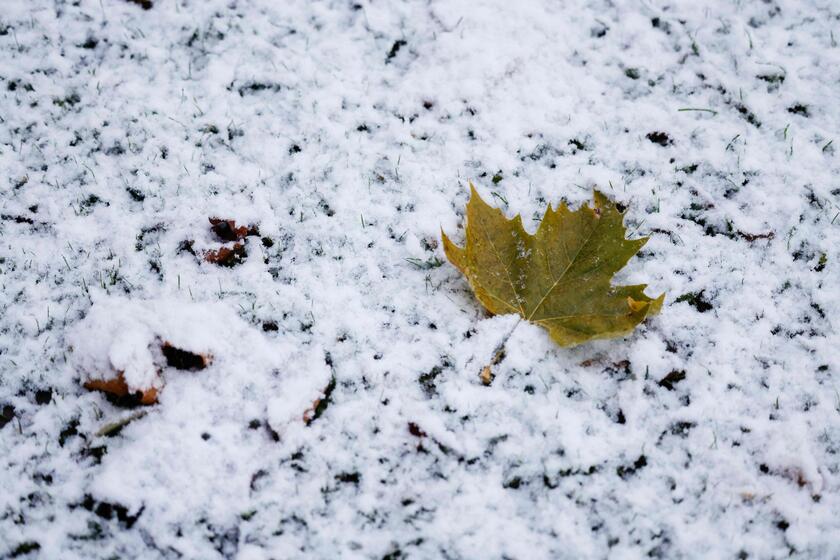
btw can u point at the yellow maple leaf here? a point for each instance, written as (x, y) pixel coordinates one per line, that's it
(558, 278)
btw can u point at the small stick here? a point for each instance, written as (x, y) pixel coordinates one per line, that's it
(113, 427)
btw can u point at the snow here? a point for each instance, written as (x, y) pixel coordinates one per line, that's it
(106, 343)
(347, 132)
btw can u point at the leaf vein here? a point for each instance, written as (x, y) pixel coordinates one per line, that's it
(504, 266)
(562, 274)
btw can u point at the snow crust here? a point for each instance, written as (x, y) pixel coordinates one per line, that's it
(347, 132)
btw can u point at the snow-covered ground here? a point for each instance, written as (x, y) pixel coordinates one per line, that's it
(346, 133)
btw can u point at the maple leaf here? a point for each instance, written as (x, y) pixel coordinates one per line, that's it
(558, 278)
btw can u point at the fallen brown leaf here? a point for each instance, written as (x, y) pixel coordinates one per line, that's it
(183, 359)
(119, 388)
(320, 404)
(226, 230)
(225, 256)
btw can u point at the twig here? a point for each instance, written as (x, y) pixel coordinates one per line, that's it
(114, 427)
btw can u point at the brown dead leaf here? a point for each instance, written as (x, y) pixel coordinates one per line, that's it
(183, 359)
(117, 387)
(320, 404)
(228, 257)
(226, 230)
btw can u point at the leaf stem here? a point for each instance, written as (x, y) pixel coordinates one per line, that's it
(486, 374)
